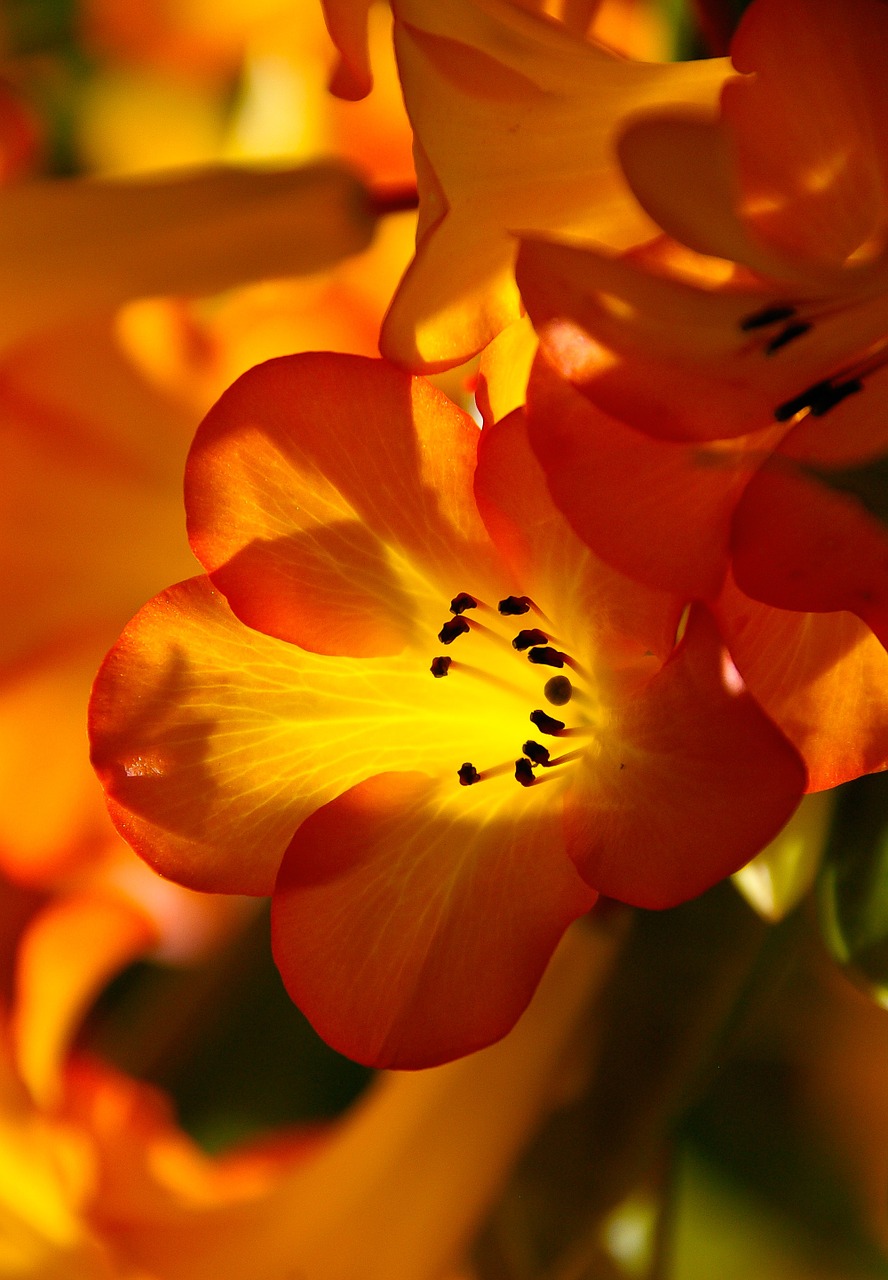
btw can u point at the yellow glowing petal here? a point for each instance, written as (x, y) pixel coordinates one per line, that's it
(219, 740)
(505, 369)
(68, 953)
(517, 118)
(779, 877)
(72, 248)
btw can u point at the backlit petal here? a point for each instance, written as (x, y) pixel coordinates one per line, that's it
(810, 129)
(822, 677)
(517, 119)
(411, 928)
(330, 498)
(692, 781)
(656, 510)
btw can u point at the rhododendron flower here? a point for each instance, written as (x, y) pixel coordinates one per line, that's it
(426, 718)
(98, 1181)
(515, 118)
(768, 382)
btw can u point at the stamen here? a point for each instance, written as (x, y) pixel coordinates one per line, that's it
(767, 316)
(835, 395)
(513, 606)
(787, 335)
(558, 691)
(440, 667)
(463, 601)
(452, 628)
(524, 772)
(820, 397)
(546, 657)
(525, 639)
(567, 757)
(468, 774)
(536, 752)
(546, 724)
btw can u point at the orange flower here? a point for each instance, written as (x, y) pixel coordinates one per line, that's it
(515, 118)
(331, 500)
(727, 429)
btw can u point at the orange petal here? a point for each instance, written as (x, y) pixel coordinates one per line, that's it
(822, 677)
(73, 248)
(692, 783)
(412, 931)
(674, 357)
(517, 118)
(810, 129)
(656, 510)
(327, 494)
(626, 621)
(810, 532)
(347, 22)
(68, 953)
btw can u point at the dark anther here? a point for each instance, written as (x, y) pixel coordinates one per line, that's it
(537, 753)
(524, 772)
(467, 774)
(787, 335)
(463, 601)
(547, 657)
(835, 395)
(440, 667)
(452, 628)
(819, 398)
(512, 606)
(768, 315)
(546, 724)
(525, 639)
(558, 691)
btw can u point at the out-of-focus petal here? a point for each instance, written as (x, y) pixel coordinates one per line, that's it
(823, 677)
(68, 953)
(74, 248)
(658, 511)
(347, 22)
(517, 118)
(693, 781)
(412, 926)
(329, 495)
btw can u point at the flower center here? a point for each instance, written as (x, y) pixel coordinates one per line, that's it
(531, 647)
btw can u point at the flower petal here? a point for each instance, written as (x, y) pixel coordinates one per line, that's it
(214, 741)
(73, 248)
(810, 533)
(690, 784)
(68, 953)
(626, 621)
(330, 498)
(822, 677)
(810, 129)
(517, 118)
(656, 510)
(413, 929)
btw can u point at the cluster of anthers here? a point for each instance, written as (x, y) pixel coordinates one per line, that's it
(782, 324)
(531, 644)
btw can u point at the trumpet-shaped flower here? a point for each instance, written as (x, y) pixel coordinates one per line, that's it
(426, 718)
(762, 384)
(515, 118)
